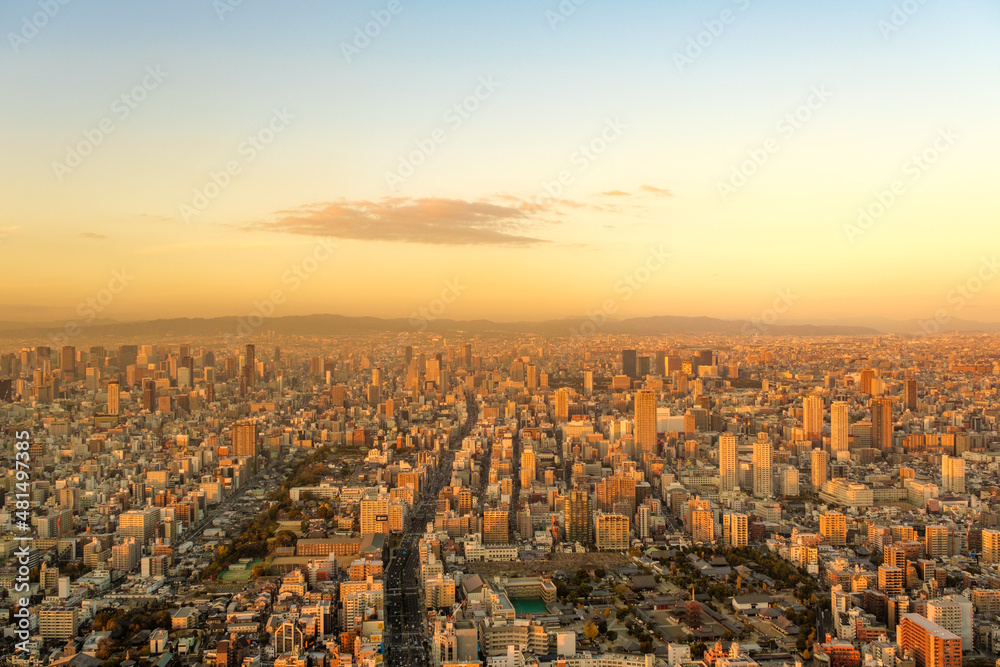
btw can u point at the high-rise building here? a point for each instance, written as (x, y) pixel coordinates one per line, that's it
(840, 435)
(881, 407)
(578, 515)
(931, 645)
(496, 527)
(113, 396)
(910, 394)
(819, 468)
(763, 478)
(588, 382)
(375, 516)
(891, 580)
(991, 546)
(812, 417)
(953, 613)
(728, 472)
(527, 467)
(867, 375)
(140, 524)
(612, 532)
(245, 439)
(953, 474)
(790, 482)
(630, 364)
(936, 541)
(645, 420)
(561, 405)
(833, 528)
(735, 529)
(702, 526)
(250, 366)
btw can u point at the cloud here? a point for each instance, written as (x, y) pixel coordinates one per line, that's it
(92, 235)
(656, 191)
(435, 221)
(615, 193)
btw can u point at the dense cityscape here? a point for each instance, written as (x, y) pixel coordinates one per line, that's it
(502, 500)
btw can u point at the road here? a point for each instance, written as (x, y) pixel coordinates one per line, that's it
(405, 642)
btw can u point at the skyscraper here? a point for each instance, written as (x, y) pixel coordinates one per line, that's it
(932, 645)
(728, 474)
(867, 375)
(910, 394)
(629, 364)
(250, 366)
(245, 439)
(735, 529)
(881, 407)
(812, 417)
(561, 405)
(953, 474)
(762, 475)
(113, 397)
(839, 428)
(578, 515)
(819, 468)
(645, 420)
(67, 362)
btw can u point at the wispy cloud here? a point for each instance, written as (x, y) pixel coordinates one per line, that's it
(660, 192)
(436, 221)
(615, 193)
(92, 235)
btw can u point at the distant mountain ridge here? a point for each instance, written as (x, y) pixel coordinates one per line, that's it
(327, 324)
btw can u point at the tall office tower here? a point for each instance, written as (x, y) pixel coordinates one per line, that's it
(127, 355)
(936, 541)
(954, 614)
(578, 515)
(812, 417)
(629, 364)
(561, 405)
(377, 376)
(833, 528)
(881, 407)
(467, 355)
(611, 532)
(113, 397)
(674, 363)
(728, 473)
(588, 382)
(991, 546)
(67, 362)
(375, 516)
(931, 645)
(432, 371)
(839, 428)
(645, 420)
(148, 394)
(660, 363)
(703, 358)
(250, 366)
(953, 474)
(277, 356)
(642, 521)
(527, 467)
(735, 529)
(867, 375)
(407, 354)
(762, 475)
(531, 377)
(245, 439)
(910, 394)
(496, 527)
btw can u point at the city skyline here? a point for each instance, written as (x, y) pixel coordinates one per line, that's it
(713, 156)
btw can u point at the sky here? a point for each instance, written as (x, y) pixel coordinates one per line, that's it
(526, 160)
